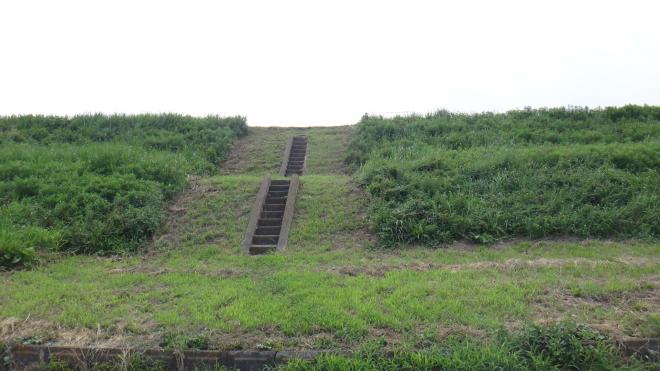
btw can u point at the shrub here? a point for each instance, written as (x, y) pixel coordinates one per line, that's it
(17, 246)
(90, 198)
(207, 137)
(565, 346)
(97, 184)
(525, 173)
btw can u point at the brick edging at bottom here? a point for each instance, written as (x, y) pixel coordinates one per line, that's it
(24, 356)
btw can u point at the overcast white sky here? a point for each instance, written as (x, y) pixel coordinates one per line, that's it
(324, 63)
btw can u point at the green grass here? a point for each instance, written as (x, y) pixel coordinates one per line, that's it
(97, 184)
(207, 137)
(629, 124)
(334, 287)
(557, 347)
(262, 150)
(531, 174)
(330, 287)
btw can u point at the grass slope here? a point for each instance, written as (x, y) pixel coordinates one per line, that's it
(532, 174)
(263, 150)
(96, 184)
(333, 288)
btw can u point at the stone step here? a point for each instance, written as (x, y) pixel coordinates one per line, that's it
(268, 230)
(272, 214)
(278, 188)
(280, 182)
(265, 239)
(279, 207)
(275, 200)
(278, 193)
(269, 222)
(264, 228)
(262, 249)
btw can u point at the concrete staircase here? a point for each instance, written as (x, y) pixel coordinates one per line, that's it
(270, 219)
(269, 224)
(297, 156)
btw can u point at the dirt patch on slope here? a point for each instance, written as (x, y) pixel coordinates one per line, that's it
(35, 331)
(631, 308)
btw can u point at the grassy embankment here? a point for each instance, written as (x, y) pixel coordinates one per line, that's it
(333, 288)
(97, 184)
(531, 174)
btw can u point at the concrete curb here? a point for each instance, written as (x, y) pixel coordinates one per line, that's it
(255, 213)
(22, 357)
(288, 212)
(304, 169)
(287, 152)
(27, 356)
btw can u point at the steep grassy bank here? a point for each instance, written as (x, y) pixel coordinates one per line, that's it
(334, 287)
(207, 137)
(96, 184)
(329, 290)
(536, 173)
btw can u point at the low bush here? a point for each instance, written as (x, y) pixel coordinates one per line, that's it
(564, 346)
(83, 198)
(429, 190)
(96, 184)
(207, 137)
(449, 130)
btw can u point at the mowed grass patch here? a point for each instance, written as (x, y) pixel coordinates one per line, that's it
(212, 213)
(328, 215)
(327, 148)
(296, 301)
(262, 151)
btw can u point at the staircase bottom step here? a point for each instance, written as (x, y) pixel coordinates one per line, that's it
(262, 249)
